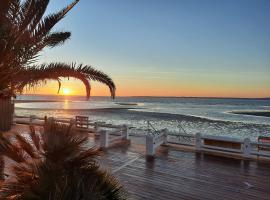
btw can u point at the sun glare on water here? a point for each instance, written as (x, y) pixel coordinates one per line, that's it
(66, 91)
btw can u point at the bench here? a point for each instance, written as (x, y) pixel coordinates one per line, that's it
(218, 143)
(82, 122)
(264, 140)
(224, 144)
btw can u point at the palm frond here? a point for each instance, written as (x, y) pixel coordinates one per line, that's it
(55, 39)
(54, 71)
(28, 148)
(12, 151)
(35, 137)
(45, 26)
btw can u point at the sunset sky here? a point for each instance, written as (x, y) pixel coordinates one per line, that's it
(168, 47)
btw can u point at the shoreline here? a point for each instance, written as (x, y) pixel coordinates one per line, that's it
(36, 101)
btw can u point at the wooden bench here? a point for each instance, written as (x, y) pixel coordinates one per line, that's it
(265, 140)
(224, 144)
(221, 144)
(82, 122)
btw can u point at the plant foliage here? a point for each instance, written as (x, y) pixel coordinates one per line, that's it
(55, 164)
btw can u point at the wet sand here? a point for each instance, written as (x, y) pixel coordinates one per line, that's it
(255, 113)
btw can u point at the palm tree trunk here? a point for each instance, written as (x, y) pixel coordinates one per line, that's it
(6, 113)
(2, 167)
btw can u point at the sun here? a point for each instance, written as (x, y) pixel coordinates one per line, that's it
(66, 91)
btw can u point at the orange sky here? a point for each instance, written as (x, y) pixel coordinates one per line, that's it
(150, 88)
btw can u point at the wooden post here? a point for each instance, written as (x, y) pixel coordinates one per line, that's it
(125, 135)
(198, 142)
(150, 149)
(47, 126)
(104, 139)
(247, 148)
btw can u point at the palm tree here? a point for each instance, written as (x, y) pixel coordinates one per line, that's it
(55, 165)
(24, 33)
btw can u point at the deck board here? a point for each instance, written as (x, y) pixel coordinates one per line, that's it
(175, 174)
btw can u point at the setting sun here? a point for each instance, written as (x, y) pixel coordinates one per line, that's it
(66, 91)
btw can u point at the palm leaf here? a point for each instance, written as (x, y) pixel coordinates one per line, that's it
(54, 71)
(55, 39)
(45, 26)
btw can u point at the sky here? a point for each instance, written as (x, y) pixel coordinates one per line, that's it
(168, 47)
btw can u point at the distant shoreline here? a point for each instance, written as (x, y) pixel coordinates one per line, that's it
(254, 113)
(192, 97)
(36, 101)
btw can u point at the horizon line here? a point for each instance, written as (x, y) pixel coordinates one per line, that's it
(143, 96)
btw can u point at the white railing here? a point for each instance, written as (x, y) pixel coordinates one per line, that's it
(153, 141)
(260, 149)
(181, 139)
(226, 145)
(33, 119)
(106, 136)
(101, 129)
(243, 147)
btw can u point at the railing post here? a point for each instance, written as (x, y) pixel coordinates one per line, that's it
(198, 141)
(125, 135)
(247, 148)
(150, 148)
(166, 131)
(104, 139)
(96, 129)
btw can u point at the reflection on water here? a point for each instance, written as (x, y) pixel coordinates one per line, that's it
(66, 104)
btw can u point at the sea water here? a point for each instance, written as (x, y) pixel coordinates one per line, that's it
(213, 116)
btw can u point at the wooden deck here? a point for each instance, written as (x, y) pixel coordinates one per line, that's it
(175, 174)
(182, 174)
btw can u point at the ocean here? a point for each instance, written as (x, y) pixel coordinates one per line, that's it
(212, 116)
